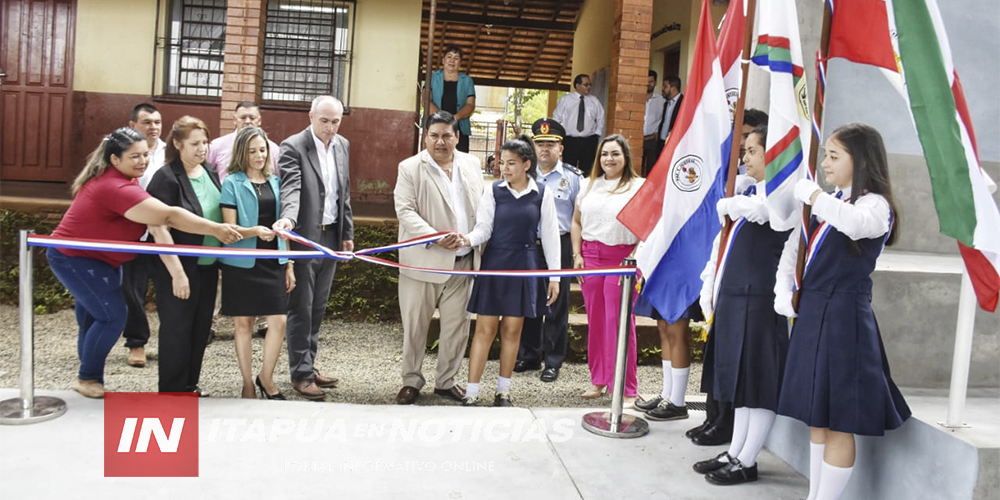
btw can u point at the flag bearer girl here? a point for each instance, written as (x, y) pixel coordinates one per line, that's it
(749, 340)
(837, 377)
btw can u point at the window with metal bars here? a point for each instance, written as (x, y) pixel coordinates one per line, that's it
(196, 47)
(307, 49)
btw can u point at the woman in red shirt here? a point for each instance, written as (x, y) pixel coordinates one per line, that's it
(109, 205)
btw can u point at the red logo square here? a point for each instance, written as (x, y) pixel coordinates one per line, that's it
(150, 434)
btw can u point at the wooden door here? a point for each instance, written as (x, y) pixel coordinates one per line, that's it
(672, 62)
(36, 90)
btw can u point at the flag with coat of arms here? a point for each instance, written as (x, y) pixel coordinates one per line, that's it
(674, 211)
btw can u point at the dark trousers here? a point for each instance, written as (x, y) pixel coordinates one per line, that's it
(651, 149)
(100, 308)
(184, 326)
(720, 414)
(307, 305)
(136, 274)
(463, 146)
(548, 334)
(580, 152)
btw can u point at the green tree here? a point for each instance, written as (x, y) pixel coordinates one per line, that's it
(526, 106)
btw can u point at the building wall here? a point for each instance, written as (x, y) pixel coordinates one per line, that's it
(386, 54)
(114, 46)
(592, 40)
(112, 75)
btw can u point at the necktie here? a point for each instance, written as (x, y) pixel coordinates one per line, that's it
(752, 190)
(839, 195)
(581, 115)
(663, 119)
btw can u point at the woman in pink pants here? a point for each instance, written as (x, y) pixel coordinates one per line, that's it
(599, 240)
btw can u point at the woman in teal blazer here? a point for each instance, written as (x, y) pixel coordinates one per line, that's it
(255, 287)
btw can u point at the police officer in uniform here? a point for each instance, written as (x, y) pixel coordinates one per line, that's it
(545, 337)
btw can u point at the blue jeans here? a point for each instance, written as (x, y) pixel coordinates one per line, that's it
(100, 307)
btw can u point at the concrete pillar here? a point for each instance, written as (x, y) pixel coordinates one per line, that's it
(243, 72)
(629, 69)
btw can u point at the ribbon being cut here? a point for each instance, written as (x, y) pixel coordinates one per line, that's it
(365, 255)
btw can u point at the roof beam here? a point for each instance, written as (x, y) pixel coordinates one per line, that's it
(507, 22)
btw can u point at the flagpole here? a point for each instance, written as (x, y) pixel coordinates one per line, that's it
(817, 117)
(734, 155)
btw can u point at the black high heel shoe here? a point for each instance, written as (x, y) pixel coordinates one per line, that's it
(265, 395)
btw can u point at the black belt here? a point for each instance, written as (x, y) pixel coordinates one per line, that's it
(328, 227)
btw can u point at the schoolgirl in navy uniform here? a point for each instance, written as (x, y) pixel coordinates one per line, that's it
(837, 377)
(749, 340)
(514, 213)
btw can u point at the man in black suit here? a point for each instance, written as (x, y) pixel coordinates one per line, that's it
(672, 93)
(316, 203)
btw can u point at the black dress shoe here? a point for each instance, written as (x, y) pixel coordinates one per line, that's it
(691, 433)
(502, 399)
(667, 411)
(733, 473)
(713, 464)
(550, 374)
(523, 366)
(648, 404)
(407, 395)
(455, 392)
(713, 436)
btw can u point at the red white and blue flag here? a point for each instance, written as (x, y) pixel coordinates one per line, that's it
(789, 131)
(674, 211)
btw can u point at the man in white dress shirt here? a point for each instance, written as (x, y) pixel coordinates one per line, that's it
(136, 273)
(438, 189)
(655, 107)
(674, 97)
(583, 117)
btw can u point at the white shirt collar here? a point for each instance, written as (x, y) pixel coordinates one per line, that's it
(847, 192)
(319, 142)
(532, 186)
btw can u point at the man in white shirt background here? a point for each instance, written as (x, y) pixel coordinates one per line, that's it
(583, 117)
(136, 273)
(656, 105)
(674, 97)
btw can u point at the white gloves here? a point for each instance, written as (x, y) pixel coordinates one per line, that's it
(783, 305)
(705, 301)
(754, 209)
(804, 190)
(722, 208)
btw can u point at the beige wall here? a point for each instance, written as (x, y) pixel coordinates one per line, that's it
(385, 58)
(687, 13)
(114, 46)
(386, 54)
(592, 40)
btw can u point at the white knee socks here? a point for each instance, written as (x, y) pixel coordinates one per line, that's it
(761, 421)
(667, 378)
(679, 384)
(741, 425)
(834, 481)
(472, 390)
(815, 468)
(503, 385)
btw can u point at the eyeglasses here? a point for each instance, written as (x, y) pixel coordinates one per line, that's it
(588, 84)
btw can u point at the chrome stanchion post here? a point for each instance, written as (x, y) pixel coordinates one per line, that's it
(614, 423)
(28, 409)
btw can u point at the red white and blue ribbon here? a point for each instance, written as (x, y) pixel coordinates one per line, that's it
(365, 255)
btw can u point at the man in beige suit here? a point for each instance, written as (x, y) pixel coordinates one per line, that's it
(436, 190)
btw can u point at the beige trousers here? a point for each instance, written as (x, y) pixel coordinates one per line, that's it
(417, 301)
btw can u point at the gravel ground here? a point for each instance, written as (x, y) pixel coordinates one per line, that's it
(365, 356)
